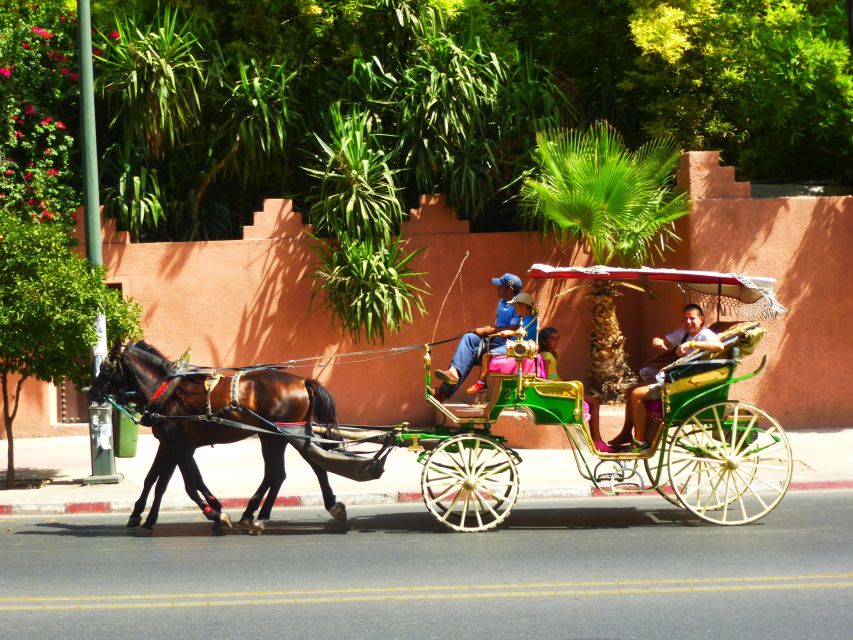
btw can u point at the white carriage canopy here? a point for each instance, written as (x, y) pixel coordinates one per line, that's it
(729, 291)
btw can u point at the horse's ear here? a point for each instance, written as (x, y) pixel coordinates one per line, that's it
(184, 360)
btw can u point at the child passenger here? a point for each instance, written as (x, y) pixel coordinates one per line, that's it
(529, 324)
(549, 341)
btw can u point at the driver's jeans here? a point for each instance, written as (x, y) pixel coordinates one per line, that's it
(466, 356)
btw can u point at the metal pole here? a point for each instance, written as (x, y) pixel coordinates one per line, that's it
(100, 415)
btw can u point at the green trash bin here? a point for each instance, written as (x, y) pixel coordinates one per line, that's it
(125, 434)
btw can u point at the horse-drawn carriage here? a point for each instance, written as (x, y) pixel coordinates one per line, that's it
(726, 461)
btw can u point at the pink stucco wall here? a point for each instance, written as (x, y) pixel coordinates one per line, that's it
(247, 301)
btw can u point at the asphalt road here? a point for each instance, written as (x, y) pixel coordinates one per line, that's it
(584, 568)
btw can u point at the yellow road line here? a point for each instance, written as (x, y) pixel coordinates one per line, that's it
(428, 593)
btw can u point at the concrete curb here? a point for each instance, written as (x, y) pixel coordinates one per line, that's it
(315, 500)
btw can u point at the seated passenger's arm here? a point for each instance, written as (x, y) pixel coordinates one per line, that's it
(712, 345)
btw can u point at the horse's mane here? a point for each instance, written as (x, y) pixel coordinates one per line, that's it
(151, 349)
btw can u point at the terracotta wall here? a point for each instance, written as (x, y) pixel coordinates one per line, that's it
(247, 301)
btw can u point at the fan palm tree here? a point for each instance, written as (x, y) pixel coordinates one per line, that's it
(587, 186)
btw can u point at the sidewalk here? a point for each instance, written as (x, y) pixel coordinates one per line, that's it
(822, 459)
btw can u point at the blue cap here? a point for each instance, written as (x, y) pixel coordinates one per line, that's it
(508, 280)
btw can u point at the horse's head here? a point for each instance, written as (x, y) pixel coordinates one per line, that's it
(108, 381)
(130, 373)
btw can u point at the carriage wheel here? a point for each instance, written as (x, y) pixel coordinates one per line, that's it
(470, 482)
(730, 463)
(659, 460)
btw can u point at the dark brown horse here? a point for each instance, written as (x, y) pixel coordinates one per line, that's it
(192, 408)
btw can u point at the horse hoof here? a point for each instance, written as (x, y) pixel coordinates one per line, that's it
(134, 521)
(246, 522)
(339, 512)
(144, 532)
(225, 520)
(257, 528)
(335, 526)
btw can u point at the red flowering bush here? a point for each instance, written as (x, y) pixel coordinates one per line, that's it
(38, 98)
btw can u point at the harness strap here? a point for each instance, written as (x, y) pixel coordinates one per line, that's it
(235, 390)
(210, 383)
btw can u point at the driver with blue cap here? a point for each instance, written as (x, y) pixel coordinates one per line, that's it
(474, 344)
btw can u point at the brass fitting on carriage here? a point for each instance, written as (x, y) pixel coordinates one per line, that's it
(521, 350)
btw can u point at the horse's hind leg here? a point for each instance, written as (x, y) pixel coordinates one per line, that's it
(192, 482)
(337, 510)
(272, 449)
(248, 517)
(135, 518)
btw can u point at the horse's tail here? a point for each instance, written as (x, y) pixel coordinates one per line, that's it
(322, 408)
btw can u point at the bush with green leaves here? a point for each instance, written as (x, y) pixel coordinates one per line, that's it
(38, 99)
(49, 300)
(769, 83)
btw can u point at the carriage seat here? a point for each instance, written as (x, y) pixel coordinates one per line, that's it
(701, 369)
(507, 365)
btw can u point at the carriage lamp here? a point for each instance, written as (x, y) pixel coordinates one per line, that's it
(521, 349)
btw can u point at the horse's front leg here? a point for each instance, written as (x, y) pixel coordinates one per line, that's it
(154, 472)
(167, 468)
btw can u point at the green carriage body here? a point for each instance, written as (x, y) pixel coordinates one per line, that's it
(724, 460)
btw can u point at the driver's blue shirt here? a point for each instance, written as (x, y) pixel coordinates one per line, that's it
(505, 316)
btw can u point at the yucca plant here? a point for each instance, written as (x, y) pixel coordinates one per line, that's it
(448, 94)
(356, 192)
(363, 274)
(368, 286)
(587, 186)
(151, 76)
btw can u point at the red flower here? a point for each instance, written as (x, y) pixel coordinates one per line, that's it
(74, 77)
(29, 109)
(10, 172)
(5, 72)
(114, 35)
(53, 172)
(28, 175)
(47, 120)
(48, 152)
(44, 33)
(65, 71)
(62, 19)
(25, 45)
(19, 134)
(97, 52)
(60, 124)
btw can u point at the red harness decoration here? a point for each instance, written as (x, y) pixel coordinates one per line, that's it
(160, 390)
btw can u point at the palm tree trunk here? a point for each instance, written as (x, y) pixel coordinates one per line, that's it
(609, 373)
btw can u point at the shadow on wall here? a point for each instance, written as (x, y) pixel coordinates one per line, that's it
(815, 348)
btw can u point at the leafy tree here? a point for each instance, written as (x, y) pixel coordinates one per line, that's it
(49, 300)
(768, 83)
(587, 186)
